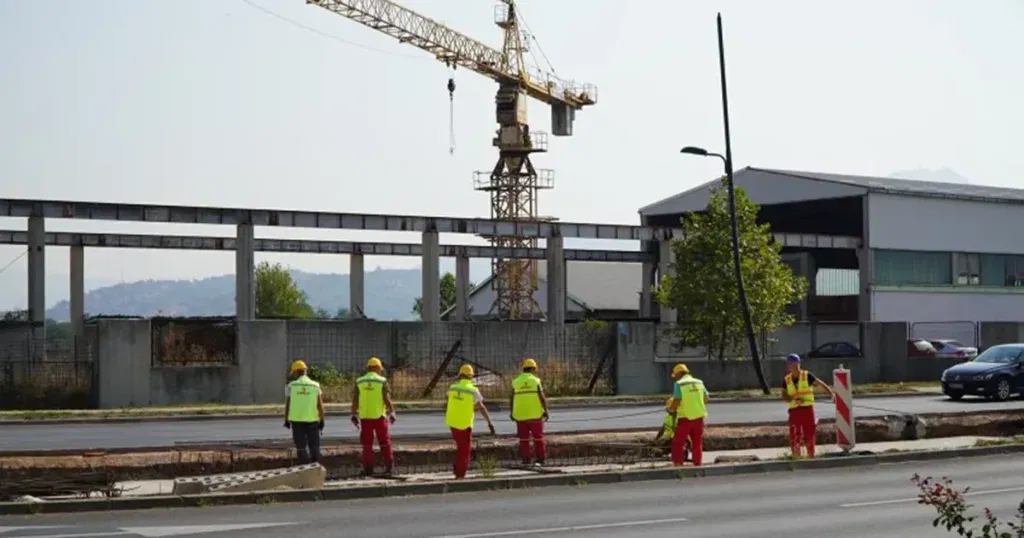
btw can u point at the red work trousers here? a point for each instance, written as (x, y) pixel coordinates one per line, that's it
(527, 429)
(802, 429)
(463, 450)
(694, 431)
(379, 427)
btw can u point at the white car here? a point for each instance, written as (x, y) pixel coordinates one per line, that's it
(952, 349)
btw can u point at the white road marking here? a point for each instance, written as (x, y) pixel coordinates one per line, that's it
(914, 499)
(566, 529)
(179, 530)
(47, 527)
(77, 535)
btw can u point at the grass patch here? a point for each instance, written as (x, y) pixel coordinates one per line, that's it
(1015, 440)
(867, 388)
(487, 465)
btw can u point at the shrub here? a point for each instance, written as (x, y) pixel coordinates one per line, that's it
(952, 507)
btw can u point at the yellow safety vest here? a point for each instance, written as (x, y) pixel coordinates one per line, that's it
(461, 411)
(669, 427)
(526, 398)
(692, 406)
(802, 393)
(303, 393)
(371, 396)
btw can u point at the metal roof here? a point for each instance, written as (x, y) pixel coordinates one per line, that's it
(884, 185)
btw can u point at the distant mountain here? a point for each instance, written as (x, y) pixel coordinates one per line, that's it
(942, 175)
(389, 294)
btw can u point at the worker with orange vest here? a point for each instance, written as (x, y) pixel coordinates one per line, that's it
(689, 405)
(304, 413)
(529, 412)
(370, 402)
(464, 400)
(798, 391)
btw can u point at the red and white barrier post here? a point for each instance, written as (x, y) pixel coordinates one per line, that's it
(843, 387)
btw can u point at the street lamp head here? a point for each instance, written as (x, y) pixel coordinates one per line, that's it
(694, 150)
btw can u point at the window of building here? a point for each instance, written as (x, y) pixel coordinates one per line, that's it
(1014, 271)
(900, 267)
(993, 270)
(967, 267)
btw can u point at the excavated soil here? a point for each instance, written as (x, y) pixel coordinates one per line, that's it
(582, 448)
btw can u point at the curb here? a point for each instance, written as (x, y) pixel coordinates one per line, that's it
(481, 485)
(498, 407)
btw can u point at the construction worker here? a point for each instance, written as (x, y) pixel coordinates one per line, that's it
(529, 412)
(689, 405)
(798, 390)
(370, 401)
(464, 400)
(304, 413)
(668, 429)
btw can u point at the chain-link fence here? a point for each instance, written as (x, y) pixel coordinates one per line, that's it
(422, 359)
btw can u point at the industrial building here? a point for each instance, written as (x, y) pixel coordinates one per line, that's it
(923, 251)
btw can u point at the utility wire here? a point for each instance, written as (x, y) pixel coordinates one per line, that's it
(329, 36)
(16, 258)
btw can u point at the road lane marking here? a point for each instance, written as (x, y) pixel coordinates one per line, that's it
(567, 529)
(78, 535)
(915, 499)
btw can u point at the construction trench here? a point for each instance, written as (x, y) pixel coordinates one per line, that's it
(84, 473)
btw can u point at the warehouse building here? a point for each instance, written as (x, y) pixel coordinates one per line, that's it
(924, 252)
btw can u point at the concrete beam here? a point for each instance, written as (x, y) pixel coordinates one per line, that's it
(55, 209)
(356, 286)
(308, 246)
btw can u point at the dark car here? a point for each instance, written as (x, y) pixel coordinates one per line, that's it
(834, 350)
(998, 373)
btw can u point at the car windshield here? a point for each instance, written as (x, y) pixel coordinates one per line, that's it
(1000, 355)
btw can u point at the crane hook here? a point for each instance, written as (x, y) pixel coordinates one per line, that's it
(451, 114)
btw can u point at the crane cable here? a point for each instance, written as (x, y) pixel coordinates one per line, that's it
(451, 113)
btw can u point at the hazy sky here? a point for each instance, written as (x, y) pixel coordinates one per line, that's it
(216, 102)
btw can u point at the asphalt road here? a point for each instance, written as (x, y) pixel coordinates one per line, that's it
(169, 433)
(844, 503)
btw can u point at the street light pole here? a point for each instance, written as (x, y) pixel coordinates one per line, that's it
(741, 290)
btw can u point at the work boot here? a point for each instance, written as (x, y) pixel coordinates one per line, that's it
(367, 472)
(387, 473)
(539, 463)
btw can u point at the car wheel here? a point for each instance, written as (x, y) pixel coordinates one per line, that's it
(955, 395)
(1001, 390)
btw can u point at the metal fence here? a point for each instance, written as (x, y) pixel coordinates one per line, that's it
(421, 359)
(193, 342)
(965, 332)
(801, 338)
(46, 374)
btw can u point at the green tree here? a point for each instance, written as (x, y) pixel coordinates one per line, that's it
(447, 295)
(277, 294)
(701, 285)
(323, 313)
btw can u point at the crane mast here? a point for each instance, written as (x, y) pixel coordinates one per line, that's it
(513, 183)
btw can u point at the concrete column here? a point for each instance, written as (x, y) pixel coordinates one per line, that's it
(668, 315)
(37, 282)
(865, 263)
(556, 280)
(646, 295)
(431, 289)
(245, 280)
(77, 297)
(356, 286)
(461, 287)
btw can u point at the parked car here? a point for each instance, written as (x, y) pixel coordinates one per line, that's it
(951, 349)
(835, 350)
(997, 373)
(919, 347)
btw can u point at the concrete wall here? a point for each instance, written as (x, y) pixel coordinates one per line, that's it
(645, 360)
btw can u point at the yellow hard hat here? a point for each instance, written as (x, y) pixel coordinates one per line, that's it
(374, 362)
(298, 366)
(529, 363)
(680, 369)
(466, 370)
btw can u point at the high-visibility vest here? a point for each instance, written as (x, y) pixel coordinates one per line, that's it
(691, 406)
(303, 394)
(371, 395)
(526, 398)
(669, 427)
(461, 411)
(802, 393)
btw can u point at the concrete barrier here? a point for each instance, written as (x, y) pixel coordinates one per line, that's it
(310, 476)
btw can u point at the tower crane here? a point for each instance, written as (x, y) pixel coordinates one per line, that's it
(513, 183)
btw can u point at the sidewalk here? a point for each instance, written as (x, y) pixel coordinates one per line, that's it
(165, 487)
